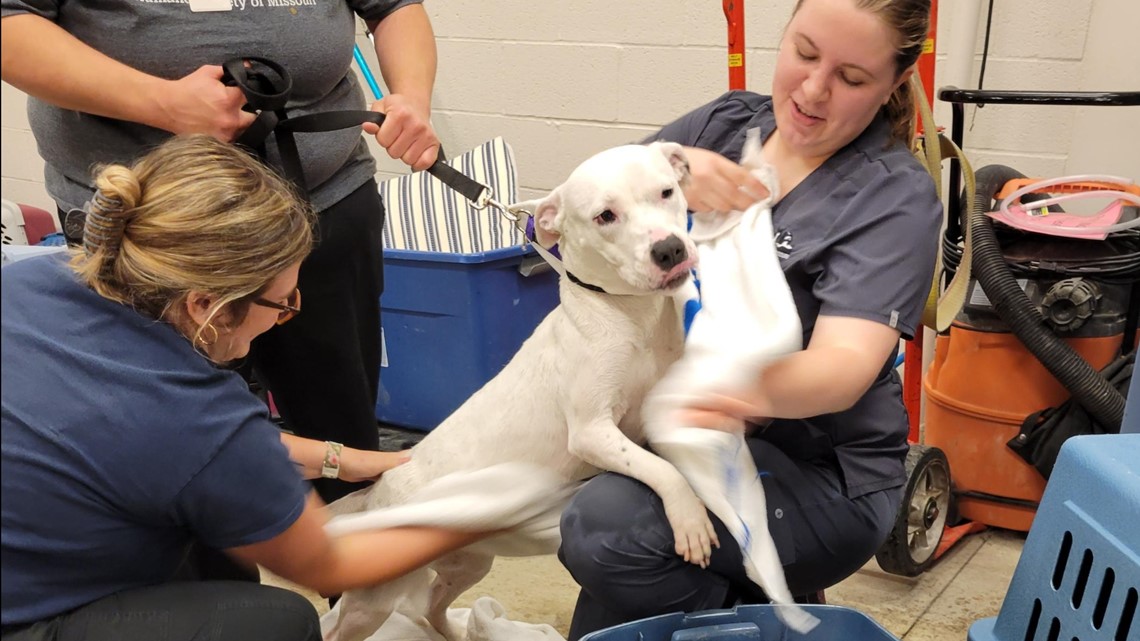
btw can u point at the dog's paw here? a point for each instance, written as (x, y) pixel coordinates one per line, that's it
(693, 533)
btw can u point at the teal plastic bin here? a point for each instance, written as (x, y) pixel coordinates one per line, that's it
(450, 322)
(747, 623)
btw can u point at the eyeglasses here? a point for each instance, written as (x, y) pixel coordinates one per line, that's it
(291, 308)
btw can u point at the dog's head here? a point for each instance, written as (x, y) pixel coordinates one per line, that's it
(620, 220)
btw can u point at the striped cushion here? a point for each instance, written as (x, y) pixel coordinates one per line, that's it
(426, 215)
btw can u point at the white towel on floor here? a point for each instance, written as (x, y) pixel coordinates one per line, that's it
(747, 318)
(485, 620)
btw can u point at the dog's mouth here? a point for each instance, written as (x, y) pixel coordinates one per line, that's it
(678, 275)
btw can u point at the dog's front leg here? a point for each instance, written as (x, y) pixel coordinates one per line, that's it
(599, 442)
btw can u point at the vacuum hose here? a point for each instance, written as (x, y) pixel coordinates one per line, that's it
(1103, 402)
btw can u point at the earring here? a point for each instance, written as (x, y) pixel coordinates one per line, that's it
(212, 340)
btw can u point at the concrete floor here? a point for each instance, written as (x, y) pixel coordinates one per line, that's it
(967, 584)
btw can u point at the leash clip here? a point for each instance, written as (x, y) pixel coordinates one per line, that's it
(511, 213)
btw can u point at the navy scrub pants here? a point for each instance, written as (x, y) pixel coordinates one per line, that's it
(210, 597)
(323, 366)
(618, 546)
(183, 611)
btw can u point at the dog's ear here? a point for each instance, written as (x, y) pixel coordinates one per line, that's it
(545, 214)
(547, 219)
(675, 154)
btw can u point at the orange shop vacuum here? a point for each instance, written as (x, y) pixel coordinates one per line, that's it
(1047, 334)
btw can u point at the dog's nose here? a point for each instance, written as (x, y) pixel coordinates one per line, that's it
(668, 253)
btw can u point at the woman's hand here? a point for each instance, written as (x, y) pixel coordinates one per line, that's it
(836, 369)
(47, 62)
(366, 465)
(199, 103)
(727, 413)
(718, 184)
(406, 133)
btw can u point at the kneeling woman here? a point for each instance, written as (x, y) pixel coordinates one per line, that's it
(128, 452)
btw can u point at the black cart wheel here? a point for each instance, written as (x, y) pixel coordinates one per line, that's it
(914, 539)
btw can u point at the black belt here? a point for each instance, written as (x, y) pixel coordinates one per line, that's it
(267, 85)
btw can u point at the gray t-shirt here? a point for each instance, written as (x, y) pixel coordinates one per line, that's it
(313, 39)
(858, 237)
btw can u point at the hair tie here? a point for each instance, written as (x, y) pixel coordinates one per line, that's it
(104, 224)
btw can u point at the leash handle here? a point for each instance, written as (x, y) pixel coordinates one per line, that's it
(266, 86)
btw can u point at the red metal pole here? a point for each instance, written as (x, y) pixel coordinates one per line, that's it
(734, 14)
(926, 60)
(912, 359)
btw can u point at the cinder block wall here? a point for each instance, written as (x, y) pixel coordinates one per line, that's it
(562, 80)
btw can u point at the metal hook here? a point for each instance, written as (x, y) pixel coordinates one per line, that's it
(508, 212)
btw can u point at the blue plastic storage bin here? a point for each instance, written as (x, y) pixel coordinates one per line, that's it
(747, 623)
(1078, 577)
(450, 322)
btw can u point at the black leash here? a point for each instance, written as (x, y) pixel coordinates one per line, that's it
(267, 85)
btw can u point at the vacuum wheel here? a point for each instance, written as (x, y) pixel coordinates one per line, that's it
(910, 547)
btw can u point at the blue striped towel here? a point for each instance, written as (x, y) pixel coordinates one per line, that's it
(426, 215)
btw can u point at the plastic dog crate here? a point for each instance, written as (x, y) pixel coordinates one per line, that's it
(1078, 577)
(450, 323)
(747, 623)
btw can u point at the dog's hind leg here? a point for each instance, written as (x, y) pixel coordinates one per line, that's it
(361, 612)
(455, 574)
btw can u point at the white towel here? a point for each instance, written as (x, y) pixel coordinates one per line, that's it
(747, 318)
(485, 620)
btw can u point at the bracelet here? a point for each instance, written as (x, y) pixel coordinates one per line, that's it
(330, 468)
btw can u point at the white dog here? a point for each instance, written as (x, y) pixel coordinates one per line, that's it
(570, 399)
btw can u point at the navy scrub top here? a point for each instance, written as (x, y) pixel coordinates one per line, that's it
(858, 237)
(121, 446)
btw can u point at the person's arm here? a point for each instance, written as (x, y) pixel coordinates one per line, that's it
(355, 465)
(875, 280)
(304, 554)
(405, 47)
(45, 61)
(840, 363)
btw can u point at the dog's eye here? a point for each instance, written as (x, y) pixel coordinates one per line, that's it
(667, 194)
(605, 218)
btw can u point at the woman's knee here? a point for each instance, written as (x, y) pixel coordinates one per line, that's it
(618, 545)
(281, 614)
(845, 539)
(613, 524)
(234, 610)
